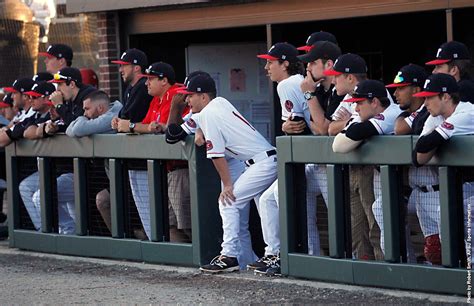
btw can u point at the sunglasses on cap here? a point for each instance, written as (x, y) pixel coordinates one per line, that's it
(154, 73)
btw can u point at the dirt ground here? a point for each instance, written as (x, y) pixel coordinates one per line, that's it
(27, 278)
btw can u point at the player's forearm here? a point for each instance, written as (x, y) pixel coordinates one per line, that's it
(31, 133)
(320, 124)
(141, 128)
(336, 127)
(223, 169)
(401, 127)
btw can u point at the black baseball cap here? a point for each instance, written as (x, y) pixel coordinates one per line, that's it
(7, 101)
(42, 76)
(67, 74)
(199, 84)
(315, 37)
(368, 89)
(410, 74)
(348, 63)
(452, 50)
(160, 70)
(281, 51)
(58, 51)
(133, 57)
(437, 84)
(20, 85)
(41, 89)
(193, 74)
(321, 50)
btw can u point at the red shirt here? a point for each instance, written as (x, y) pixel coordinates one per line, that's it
(159, 110)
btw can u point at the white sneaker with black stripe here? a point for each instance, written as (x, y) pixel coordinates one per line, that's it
(221, 263)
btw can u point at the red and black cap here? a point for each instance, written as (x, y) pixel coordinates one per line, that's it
(321, 50)
(452, 50)
(58, 51)
(21, 85)
(7, 101)
(411, 74)
(67, 74)
(315, 37)
(43, 76)
(41, 89)
(133, 57)
(200, 83)
(281, 51)
(368, 89)
(348, 63)
(160, 70)
(438, 83)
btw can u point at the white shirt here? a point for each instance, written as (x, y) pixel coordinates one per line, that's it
(227, 132)
(384, 122)
(461, 121)
(292, 99)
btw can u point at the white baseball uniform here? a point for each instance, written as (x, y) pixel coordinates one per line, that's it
(228, 133)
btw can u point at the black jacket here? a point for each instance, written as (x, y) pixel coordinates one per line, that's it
(136, 102)
(70, 110)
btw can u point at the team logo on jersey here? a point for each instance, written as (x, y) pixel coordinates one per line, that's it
(447, 125)
(288, 105)
(379, 117)
(191, 123)
(209, 145)
(414, 114)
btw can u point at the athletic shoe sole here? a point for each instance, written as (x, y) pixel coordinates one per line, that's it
(266, 273)
(228, 270)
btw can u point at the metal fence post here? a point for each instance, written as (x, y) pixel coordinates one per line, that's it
(451, 215)
(46, 194)
(336, 211)
(116, 198)
(391, 212)
(80, 196)
(158, 200)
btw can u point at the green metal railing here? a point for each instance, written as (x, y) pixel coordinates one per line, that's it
(206, 225)
(389, 153)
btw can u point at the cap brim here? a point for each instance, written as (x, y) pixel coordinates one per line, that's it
(120, 62)
(397, 85)
(267, 57)
(56, 81)
(145, 75)
(9, 89)
(424, 94)
(353, 100)
(304, 48)
(184, 91)
(438, 62)
(331, 72)
(33, 94)
(3, 105)
(46, 54)
(306, 58)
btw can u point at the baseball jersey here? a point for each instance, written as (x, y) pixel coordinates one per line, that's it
(350, 107)
(292, 98)
(227, 132)
(461, 121)
(384, 122)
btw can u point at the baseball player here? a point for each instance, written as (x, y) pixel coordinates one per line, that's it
(315, 37)
(410, 80)
(442, 98)
(322, 100)
(57, 57)
(228, 133)
(454, 58)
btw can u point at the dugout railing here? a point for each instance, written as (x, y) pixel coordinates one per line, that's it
(390, 153)
(204, 190)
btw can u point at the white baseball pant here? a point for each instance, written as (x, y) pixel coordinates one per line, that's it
(251, 183)
(139, 185)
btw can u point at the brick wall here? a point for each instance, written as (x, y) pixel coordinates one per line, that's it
(108, 50)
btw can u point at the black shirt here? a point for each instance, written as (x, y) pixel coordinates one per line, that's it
(72, 109)
(136, 102)
(328, 99)
(466, 90)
